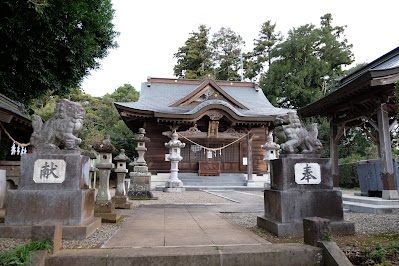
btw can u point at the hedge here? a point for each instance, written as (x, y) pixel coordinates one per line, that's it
(348, 175)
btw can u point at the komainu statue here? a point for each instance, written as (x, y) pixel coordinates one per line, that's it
(61, 130)
(289, 130)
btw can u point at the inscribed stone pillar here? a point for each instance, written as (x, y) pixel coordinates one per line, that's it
(174, 184)
(388, 177)
(3, 188)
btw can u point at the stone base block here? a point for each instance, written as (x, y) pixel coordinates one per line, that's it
(104, 206)
(251, 184)
(174, 189)
(68, 231)
(137, 195)
(48, 232)
(109, 217)
(174, 184)
(125, 206)
(295, 229)
(121, 202)
(34, 207)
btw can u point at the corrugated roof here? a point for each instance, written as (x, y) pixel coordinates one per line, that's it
(158, 98)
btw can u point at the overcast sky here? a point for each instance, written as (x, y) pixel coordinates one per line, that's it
(151, 31)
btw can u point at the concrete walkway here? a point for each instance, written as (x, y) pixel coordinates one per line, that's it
(243, 201)
(179, 226)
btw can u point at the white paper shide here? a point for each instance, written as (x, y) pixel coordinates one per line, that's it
(49, 171)
(307, 173)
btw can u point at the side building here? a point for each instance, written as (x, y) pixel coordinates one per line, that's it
(234, 118)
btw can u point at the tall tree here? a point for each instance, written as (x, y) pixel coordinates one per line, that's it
(194, 58)
(304, 62)
(226, 49)
(255, 61)
(53, 45)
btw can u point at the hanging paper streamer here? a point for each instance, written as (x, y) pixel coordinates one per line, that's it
(13, 149)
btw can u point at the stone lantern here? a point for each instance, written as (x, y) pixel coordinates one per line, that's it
(92, 154)
(140, 178)
(120, 198)
(174, 145)
(271, 149)
(104, 206)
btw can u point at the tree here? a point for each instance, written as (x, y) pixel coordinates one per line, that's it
(226, 49)
(193, 59)
(263, 46)
(54, 47)
(304, 63)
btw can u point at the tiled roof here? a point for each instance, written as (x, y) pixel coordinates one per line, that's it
(158, 97)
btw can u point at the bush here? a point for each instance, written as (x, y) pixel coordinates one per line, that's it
(348, 175)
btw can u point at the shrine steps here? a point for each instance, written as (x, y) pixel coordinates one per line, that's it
(192, 181)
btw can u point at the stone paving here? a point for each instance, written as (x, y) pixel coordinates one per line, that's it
(179, 226)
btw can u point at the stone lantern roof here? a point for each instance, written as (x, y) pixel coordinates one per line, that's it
(92, 154)
(140, 136)
(122, 157)
(106, 146)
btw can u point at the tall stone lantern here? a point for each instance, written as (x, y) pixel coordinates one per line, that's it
(140, 178)
(120, 198)
(174, 184)
(104, 206)
(271, 148)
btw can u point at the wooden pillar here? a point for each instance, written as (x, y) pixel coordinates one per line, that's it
(334, 154)
(388, 178)
(249, 158)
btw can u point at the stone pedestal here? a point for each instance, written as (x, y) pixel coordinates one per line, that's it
(53, 189)
(301, 186)
(140, 180)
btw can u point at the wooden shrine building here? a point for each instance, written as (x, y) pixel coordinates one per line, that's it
(205, 113)
(364, 99)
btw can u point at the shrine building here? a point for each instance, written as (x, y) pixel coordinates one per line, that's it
(233, 119)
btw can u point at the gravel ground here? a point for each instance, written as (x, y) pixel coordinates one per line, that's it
(365, 223)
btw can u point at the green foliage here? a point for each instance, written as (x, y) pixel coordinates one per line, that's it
(52, 49)
(348, 175)
(254, 61)
(22, 254)
(226, 49)
(378, 255)
(194, 58)
(304, 62)
(101, 116)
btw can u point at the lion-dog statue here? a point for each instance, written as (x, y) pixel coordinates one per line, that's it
(289, 130)
(61, 130)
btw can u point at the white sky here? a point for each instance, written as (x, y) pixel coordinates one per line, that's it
(151, 31)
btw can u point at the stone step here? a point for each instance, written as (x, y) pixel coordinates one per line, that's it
(276, 254)
(370, 208)
(370, 200)
(197, 188)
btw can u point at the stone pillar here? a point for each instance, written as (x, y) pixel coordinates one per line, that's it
(140, 178)
(93, 156)
(250, 181)
(334, 154)
(104, 206)
(388, 178)
(271, 148)
(120, 198)
(316, 229)
(174, 184)
(3, 188)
